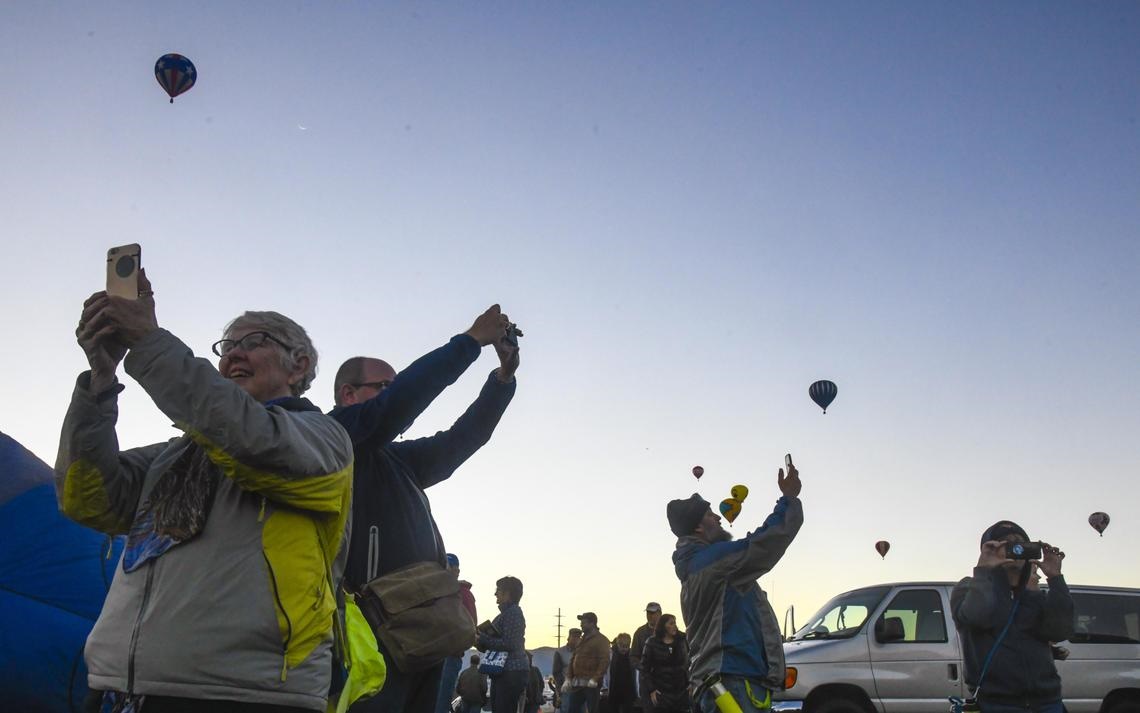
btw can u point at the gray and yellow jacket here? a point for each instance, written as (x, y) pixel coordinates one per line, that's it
(730, 625)
(228, 598)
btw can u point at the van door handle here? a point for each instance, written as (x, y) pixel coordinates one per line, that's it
(953, 668)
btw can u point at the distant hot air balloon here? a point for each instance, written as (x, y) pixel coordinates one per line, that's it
(698, 472)
(740, 492)
(823, 393)
(882, 547)
(1099, 521)
(730, 508)
(175, 74)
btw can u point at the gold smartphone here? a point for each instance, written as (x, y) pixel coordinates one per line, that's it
(123, 263)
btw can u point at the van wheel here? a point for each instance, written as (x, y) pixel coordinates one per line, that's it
(1124, 705)
(838, 705)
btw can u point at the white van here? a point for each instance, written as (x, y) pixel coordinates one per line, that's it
(893, 648)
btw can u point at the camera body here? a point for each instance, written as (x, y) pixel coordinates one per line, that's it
(1023, 550)
(513, 334)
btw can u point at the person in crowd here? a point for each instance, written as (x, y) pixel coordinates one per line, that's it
(509, 635)
(561, 666)
(588, 666)
(621, 692)
(665, 668)
(472, 687)
(224, 598)
(733, 634)
(640, 636)
(452, 664)
(1006, 625)
(535, 687)
(392, 524)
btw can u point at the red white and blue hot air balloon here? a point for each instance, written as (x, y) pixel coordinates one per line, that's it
(175, 74)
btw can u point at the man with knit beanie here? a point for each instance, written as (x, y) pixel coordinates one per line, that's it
(734, 636)
(1005, 627)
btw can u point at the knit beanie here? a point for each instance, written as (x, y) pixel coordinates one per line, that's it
(1002, 528)
(685, 515)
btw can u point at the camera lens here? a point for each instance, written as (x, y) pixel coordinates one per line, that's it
(1017, 549)
(125, 266)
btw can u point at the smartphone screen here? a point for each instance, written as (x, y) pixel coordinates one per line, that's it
(123, 263)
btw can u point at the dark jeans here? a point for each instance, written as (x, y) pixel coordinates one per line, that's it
(448, 677)
(403, 692)
(583, 699)
(166, 704)
(506, 689)
(736, 686)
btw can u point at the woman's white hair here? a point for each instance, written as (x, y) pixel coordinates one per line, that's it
(287, 331)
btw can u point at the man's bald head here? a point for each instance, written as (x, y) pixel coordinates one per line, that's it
(361, 378)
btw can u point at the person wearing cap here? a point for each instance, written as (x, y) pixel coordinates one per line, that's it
(733, 634)
(561, 665)
(1003, 620)
(587, 667)
(452, 664)
(637, 649)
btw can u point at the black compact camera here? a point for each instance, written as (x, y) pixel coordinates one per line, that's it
(513, 334)
(1023, 550)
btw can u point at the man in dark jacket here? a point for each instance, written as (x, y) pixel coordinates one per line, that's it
(640, 636)
(472, 687)
(995, 608)
(392, 524)
(733, 634)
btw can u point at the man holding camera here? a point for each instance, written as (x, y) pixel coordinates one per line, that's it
(734, 637)
(1006, 625)
(392, 524)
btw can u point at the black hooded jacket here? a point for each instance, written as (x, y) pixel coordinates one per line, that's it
(1022, 669)
(665, 669)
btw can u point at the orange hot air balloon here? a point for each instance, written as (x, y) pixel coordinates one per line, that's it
(883, 547)
(730, 508)
(739, 492)
(1098, 521)
(698, 472)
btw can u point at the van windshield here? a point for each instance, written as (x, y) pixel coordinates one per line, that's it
(843, 616)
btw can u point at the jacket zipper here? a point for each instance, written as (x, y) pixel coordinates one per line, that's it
(288, 622)
(135, 630)
(372, 566)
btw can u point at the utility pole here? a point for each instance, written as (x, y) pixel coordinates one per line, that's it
(558, 618)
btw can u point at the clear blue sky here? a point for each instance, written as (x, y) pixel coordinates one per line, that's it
(694, 210)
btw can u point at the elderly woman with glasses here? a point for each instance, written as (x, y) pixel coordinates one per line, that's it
(224, 596)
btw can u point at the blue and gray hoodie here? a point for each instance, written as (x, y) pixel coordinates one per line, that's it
(729, 623)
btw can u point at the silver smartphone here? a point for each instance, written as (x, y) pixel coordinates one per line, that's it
(123, 263)
(788, 462)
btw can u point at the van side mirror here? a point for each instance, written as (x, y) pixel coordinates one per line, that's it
(888, 629)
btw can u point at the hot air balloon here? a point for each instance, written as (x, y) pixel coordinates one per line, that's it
(175, 74)
(730, 508)
(883, 547)
(1099, 521)
(739, 492)
(698, 472)
(823, 393)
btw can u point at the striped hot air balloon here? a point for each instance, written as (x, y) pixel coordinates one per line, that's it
(175, 74)
(823, 393)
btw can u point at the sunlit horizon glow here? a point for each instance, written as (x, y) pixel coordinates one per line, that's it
(694, 211)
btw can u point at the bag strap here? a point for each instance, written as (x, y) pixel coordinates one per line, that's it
(994, 648)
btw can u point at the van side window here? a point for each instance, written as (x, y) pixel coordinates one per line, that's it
(1106, 619)
(919, 611)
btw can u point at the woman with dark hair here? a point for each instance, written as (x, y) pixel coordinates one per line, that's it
(508, 631)
(665, 667)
